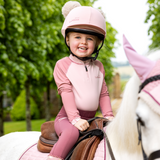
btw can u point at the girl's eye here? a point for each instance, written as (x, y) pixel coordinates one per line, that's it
(78, 37)
(90, 39)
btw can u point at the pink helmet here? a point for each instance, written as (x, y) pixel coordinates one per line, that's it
(85, 18)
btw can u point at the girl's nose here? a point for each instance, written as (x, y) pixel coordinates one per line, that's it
(83, 40)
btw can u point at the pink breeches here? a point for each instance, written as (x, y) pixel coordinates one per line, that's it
(68, 136)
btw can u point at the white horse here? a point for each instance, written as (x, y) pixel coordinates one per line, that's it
(122, 131)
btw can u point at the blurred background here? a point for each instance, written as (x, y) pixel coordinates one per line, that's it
(31, 43)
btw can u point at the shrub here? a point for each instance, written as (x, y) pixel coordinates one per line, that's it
(18, 111)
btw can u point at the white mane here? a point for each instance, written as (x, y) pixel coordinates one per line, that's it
(122, 132)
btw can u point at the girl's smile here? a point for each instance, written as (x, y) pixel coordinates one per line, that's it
(82, 45)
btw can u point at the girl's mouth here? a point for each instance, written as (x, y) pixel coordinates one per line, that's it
(82, 48)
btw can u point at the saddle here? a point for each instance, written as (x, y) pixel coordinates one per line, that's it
(86, 145)
(48, 137)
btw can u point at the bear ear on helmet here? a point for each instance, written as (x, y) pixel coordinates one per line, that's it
(83, 19)
(68, 6)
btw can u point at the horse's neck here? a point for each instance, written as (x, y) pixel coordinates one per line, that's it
(122, 130)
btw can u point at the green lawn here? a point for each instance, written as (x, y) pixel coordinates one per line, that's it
(21, 125)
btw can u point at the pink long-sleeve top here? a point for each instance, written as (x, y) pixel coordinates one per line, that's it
(82, 87)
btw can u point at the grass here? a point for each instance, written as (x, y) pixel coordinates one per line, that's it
(21, 126)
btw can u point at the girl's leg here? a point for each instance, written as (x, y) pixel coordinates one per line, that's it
(68, 136)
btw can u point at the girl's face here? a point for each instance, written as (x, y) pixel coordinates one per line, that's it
(82, 45)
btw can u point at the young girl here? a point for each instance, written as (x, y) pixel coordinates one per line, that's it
(80, 77)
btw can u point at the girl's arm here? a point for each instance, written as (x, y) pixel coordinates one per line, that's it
(65, 89)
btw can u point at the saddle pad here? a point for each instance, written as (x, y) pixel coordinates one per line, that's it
(33, 154)
(99, 155)
(101, 149)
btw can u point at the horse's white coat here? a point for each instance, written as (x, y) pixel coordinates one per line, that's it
(122, 131)
(151, 129)
(13, 145)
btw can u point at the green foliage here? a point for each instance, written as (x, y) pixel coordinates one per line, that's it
(19, 108)
(10, 71)
(86, 2)
(153, 16)
(2, 17)
(30, 42)
(30, 35)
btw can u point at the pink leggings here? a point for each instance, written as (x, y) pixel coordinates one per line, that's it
(68, 134)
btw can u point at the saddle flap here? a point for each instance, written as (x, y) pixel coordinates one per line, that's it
(82, 149)
(48, 131)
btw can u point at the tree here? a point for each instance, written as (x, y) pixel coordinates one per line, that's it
(29, 34)
(8, 68)
(153, 16)
(1, 46)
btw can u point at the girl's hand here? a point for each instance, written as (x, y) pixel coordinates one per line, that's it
(110, 118)
(82, 125)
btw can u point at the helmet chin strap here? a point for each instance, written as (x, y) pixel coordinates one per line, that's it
(86, 58)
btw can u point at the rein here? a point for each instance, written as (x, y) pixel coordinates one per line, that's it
(155, 154)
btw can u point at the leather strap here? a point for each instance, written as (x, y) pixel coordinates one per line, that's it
(93, 148)
(154, 155)
(106, 138)
(95, 132)
(109, 146)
